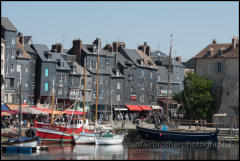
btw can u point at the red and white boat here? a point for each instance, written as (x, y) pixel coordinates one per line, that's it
(59, 133)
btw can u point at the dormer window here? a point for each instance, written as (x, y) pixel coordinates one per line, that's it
(48, 55)
(74, 69)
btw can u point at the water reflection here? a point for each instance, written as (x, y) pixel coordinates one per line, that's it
(116, 152)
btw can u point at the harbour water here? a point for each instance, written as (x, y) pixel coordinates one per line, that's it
(227, 151)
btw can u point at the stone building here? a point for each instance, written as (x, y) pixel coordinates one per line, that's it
(220, 62)
(2, 69)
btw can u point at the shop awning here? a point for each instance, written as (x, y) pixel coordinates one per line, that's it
(133, 108)
(145, 107)
(120, 109)
(156, 107)
(4, 108)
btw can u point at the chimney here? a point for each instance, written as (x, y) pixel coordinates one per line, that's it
(116, 46)
(234, 42)
(77, 48)
(97, 42)
(214, 41)
(57, 48)
(145, 49)
(108, 47)
(178, 59)
(21, 38)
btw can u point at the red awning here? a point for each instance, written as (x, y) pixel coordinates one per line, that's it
(75, 112)
(133, 108)
(145, 107)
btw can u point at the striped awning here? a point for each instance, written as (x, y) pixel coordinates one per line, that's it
(145, 107)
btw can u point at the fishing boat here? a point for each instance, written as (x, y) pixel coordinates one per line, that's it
(53, 132)
(174, 135)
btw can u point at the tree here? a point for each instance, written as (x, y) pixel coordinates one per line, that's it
(196, 99)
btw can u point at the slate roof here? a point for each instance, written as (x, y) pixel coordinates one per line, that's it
(29, 49)
(164, 75)
(79, 68)
(190, 64)
(6, 24)
(41, 49)
(157, 53)
(27, 39)
(174, 62)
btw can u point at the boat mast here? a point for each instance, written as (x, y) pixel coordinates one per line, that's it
(20, 107)
(84, 94)
(53, 94)
(169, 67)
(97, 85)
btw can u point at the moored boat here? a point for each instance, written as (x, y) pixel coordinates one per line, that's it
(163, 135)
(109, 139)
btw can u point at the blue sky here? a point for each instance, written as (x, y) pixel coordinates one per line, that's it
(193, 24)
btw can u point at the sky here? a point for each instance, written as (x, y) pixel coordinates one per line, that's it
(193, 24)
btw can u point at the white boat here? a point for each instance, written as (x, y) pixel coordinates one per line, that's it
(109, 139)
(84, 138)
(30, 143)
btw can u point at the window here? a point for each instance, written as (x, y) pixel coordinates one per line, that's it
(151, 86)
(131, 89)
(142, 75)
(90, 64)
(46, 72)
(118, 85)
(46, 86)
(151, 74)
(60, 77)
(6, 98)
(13, 41)
(65, 91)
(118, 98)
(65, 78)
(96, 65)
(219, 67)
(19, 68)
(159, 77)
(33, 85)
(82, 82)
(26, 69)
(101, 80)
(72, 81)
(141, 98)
(12, 53)
(26, 84)
(11, 82)
(12, 67)
(59, 90)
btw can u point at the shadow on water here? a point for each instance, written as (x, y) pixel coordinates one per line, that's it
(116, 152)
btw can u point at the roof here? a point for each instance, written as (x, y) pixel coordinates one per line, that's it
(27, 39)
(6, 24)
(164, 75)
(29, 49)
(147, 60)
(157, 53)
(189, 64)
(79, 68)
(174, 62)
(227, 51)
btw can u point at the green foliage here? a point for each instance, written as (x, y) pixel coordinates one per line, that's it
(196, 99)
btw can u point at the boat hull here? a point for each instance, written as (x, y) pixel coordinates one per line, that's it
(109, 141)
(84, 138)
(29, 144)
(152, 134)
(52, 135)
